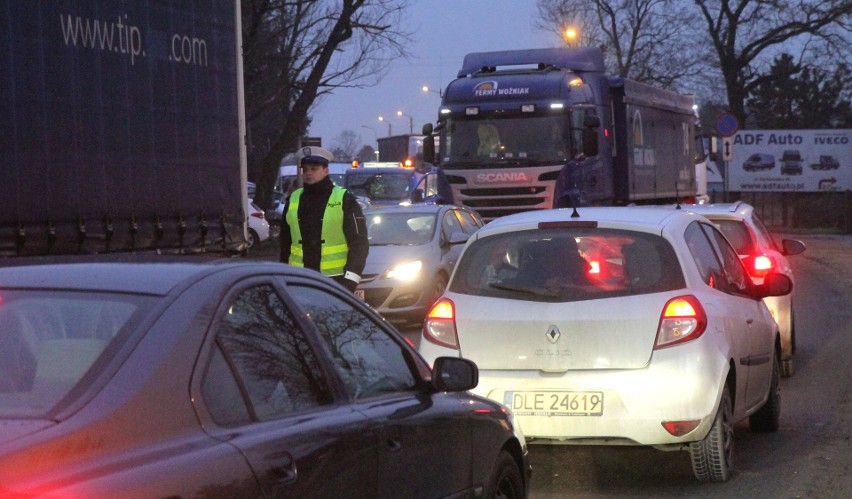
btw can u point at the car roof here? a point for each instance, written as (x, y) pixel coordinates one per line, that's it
(738, 208)
(382, 169)
(647, 219)
(126, 273)
(408, 208)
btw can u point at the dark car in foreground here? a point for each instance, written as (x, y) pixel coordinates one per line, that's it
(132, 378)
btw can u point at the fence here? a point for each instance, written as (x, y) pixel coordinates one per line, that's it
(830, 211)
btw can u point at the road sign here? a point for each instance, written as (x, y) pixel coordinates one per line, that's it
(727, 148)
(727, 124)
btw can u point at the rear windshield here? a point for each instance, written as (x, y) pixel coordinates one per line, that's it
(51, 342)
(562, 265)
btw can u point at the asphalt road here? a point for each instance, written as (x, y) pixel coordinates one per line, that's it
(809, 457)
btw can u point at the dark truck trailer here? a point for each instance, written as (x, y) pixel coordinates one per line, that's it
(400, 148)
(541, 128)
(121, 127)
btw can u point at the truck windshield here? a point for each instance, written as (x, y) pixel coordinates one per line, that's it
(518, 140)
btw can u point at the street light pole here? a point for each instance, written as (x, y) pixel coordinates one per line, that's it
(426, 88)
(382, 118)
(410, 122)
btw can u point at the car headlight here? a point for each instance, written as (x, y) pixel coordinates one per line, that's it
(407, 271)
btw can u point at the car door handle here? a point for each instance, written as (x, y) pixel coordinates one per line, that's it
(282, 467)
(394, 445)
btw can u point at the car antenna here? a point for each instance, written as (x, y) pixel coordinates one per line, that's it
(574, 214)
(677, 197)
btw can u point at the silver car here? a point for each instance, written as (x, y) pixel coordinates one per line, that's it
(413, 250)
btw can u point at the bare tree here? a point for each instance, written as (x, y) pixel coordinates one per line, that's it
(643, 40)
(296, 51)
(745, 35)
(348, 143)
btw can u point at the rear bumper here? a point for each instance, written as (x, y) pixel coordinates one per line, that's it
(673, 387)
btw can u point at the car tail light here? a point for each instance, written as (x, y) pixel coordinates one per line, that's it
(759, 265)
(439, 327)
(680, 428)
(683, 319)
(258, 214)
(594, 267)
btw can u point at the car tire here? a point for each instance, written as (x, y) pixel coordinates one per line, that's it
(712, 458)
(767, 418)
(252, 238)
(506, 481)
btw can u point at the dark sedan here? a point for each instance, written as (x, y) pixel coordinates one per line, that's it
(233, 379)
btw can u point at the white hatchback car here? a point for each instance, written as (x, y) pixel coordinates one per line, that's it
(760, 254)
(620, 326)
(258, 227)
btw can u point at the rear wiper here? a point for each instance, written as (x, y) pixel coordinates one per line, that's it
(545, 292)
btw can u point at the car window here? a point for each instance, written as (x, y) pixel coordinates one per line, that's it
(562, 265)
(271, 356)
(50, 341)
(706, 258)
(368, 359)
(763, 232)
(737, 233)
(451, 224)
(470, 224)
(736, 278)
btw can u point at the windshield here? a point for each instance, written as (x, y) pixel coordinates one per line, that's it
(379, 186)
(50, 341)
(399, 229)
(528, 140)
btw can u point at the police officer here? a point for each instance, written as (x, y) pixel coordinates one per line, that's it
(323, 227)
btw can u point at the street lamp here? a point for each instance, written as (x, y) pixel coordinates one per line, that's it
(382, 118)
(426, 88)
(570, 36)
(410, 122)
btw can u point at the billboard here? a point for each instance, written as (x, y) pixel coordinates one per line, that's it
(791, 160)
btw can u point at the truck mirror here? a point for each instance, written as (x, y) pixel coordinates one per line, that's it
(591, 121)
(590, 141)
(428, 144)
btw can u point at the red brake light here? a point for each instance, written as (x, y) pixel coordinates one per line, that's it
(439, 327)
(258, 214)
(595, 267)
(680, 428)
(683, 319)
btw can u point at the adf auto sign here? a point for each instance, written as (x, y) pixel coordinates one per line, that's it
(791, 160)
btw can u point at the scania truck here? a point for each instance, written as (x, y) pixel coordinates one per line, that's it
(541, 128)
(122, 128)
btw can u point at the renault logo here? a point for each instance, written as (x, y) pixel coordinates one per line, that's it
(553, 334)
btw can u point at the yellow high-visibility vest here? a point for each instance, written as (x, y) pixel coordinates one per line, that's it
(334, 249)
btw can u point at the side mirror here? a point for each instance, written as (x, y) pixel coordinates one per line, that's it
(792, 246)
(775, 285)
(427, 129)
(454, 374)
(417, 196)
(428, 144)
(590, 142)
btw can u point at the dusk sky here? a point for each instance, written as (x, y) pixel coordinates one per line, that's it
(445, 30)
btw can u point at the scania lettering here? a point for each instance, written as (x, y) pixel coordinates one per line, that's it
(535, 129)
